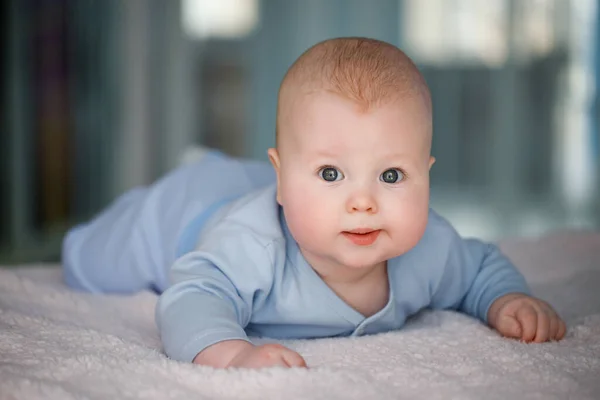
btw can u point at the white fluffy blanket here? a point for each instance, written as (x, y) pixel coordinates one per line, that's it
(59, 344)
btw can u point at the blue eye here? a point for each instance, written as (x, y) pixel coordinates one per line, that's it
(330, 174)
(392, 175)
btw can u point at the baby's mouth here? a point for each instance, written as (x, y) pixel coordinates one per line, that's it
(363, 236)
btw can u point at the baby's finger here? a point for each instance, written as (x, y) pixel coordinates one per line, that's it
(527, 317)
(543, 327)
(277, 362)
(553, 330)
(562, 329)
(293, 359)
(509, 327)
(557, 326)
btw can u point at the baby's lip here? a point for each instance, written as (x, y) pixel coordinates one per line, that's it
(361, 231)
(362, 236)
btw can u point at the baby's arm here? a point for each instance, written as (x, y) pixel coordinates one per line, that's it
(202, 316)
(480, 281)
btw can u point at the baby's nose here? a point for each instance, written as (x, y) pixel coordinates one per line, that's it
(361, 202)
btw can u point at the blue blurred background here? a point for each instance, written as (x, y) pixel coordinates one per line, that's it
(101, 96)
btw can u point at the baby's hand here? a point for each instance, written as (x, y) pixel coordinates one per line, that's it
(267, 355)
(527, 318)
(242, 354)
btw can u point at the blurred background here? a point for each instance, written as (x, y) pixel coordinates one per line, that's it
(104, 95)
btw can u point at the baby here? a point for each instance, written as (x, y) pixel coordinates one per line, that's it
(338, 241)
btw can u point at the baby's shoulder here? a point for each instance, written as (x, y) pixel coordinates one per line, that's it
(437, 241)
(439, 229)
(428, 259)
(245, 239)
(253, 217)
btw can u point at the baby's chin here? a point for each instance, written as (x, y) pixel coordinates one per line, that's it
(365, 261)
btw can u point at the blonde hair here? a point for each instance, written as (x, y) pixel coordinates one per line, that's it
(367, 71)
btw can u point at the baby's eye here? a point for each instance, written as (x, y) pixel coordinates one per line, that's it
(392, 175)
(330, 174)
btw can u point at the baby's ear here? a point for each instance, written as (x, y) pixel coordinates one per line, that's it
(274, 158)
(431, 161)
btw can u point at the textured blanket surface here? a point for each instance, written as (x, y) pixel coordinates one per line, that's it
(60, 344)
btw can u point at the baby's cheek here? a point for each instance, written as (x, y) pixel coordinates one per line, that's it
(305, 200)
(408, 224)
(308, 217)
(305, 230)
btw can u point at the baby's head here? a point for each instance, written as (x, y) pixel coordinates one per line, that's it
(353, 152)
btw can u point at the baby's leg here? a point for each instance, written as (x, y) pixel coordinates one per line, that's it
(110, 253)
(131, 245)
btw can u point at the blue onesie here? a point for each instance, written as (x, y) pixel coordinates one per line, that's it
(212, 239)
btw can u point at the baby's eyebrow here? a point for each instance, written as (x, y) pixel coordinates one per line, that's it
(402, 161)
(397, 156)
(324, 154)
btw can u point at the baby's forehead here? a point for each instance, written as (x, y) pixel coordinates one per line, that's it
(300, 93)
(325, 101)
(369, 93)
(321, 112)
(324, 120)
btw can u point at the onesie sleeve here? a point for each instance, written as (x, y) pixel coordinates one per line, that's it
(475, 274)
(213, 291)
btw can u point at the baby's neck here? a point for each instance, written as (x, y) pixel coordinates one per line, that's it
(365, 289)
(341, 275)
